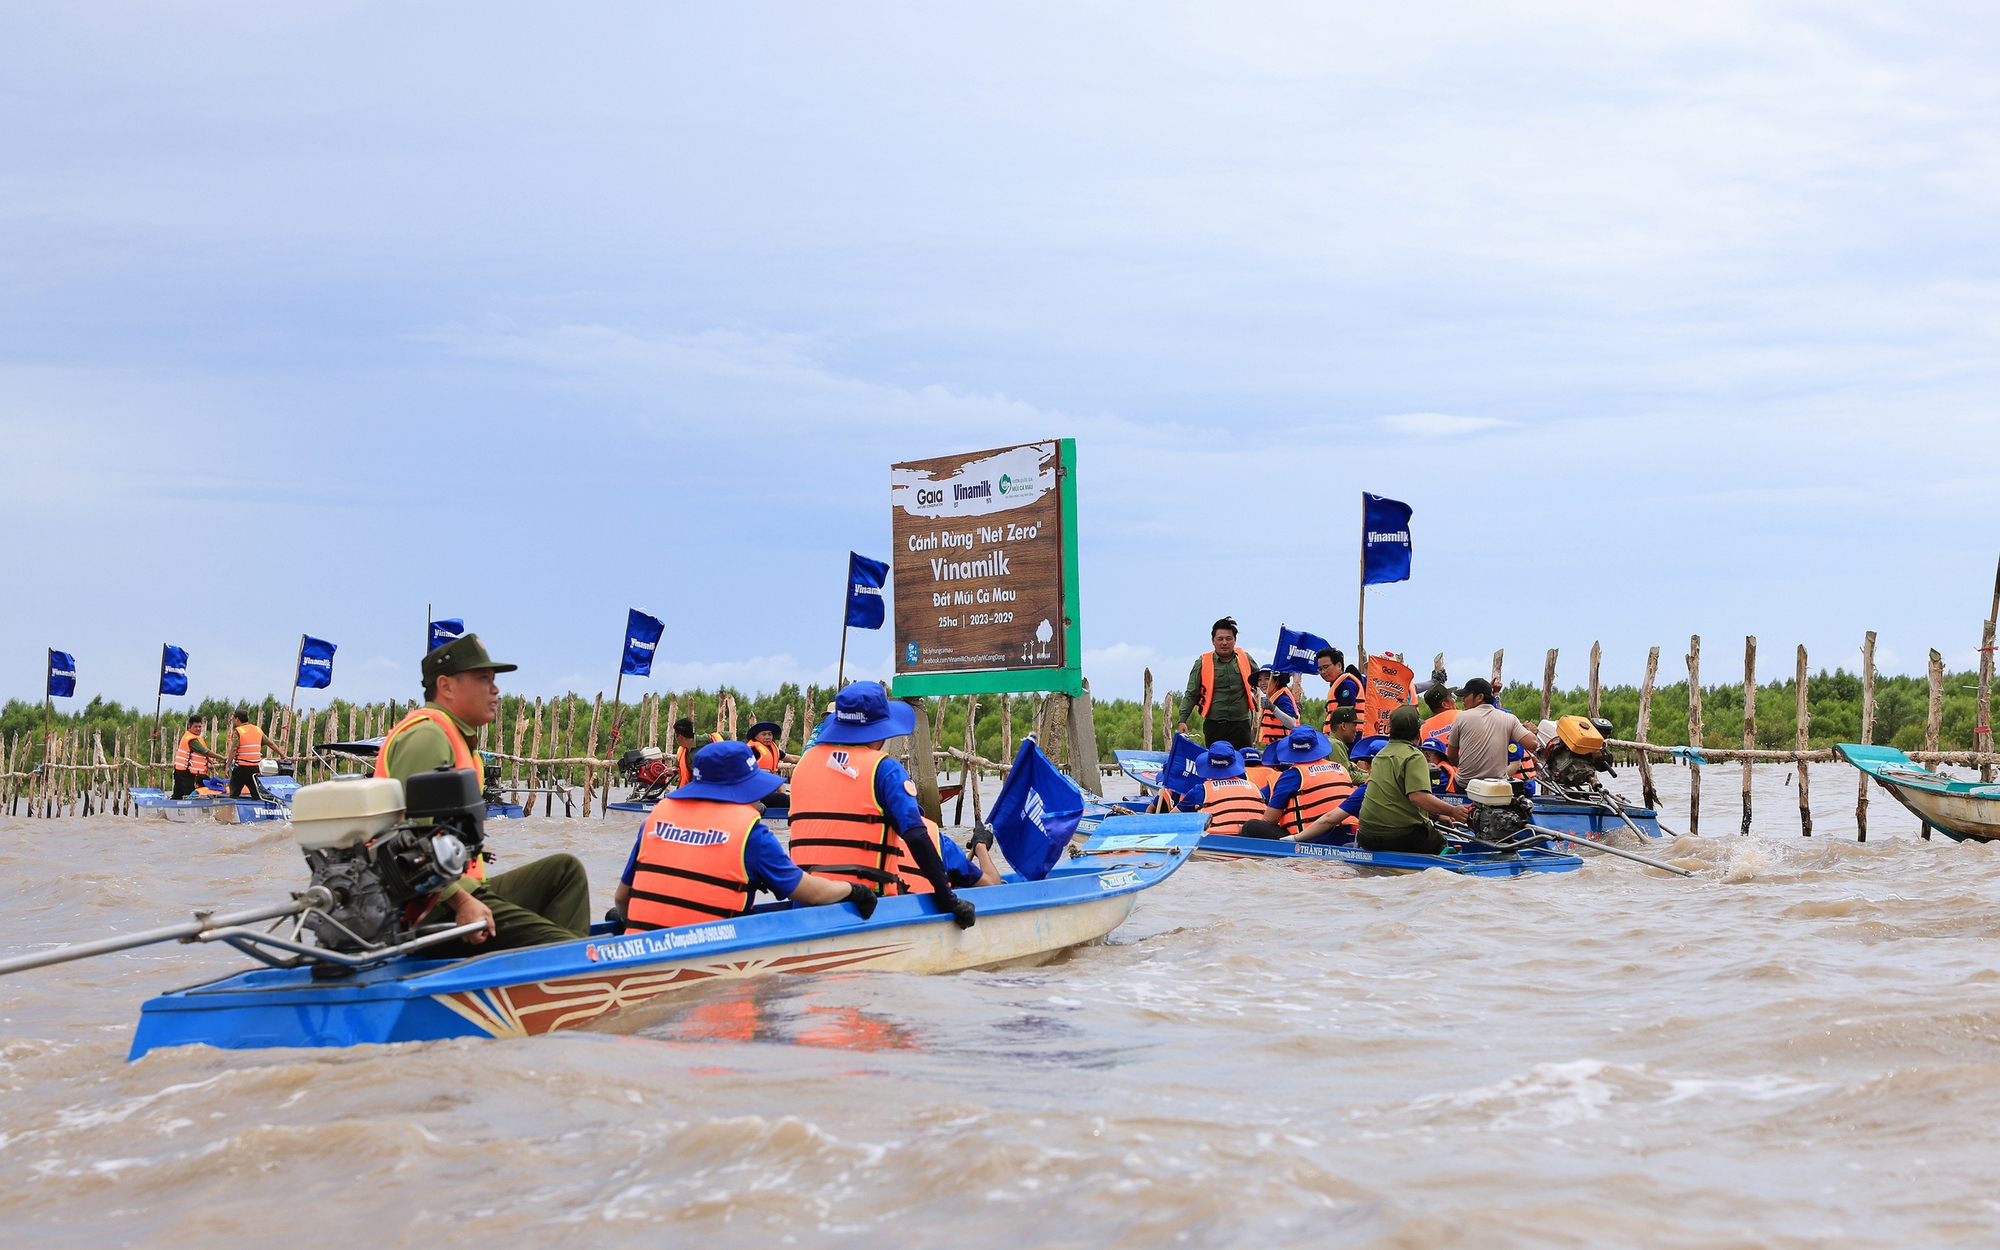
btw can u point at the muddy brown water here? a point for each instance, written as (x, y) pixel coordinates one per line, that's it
(1801, 1047)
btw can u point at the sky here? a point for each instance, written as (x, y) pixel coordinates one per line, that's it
(1665, 318)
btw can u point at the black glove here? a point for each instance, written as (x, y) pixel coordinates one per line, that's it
(617, 920)
(962, 911)
(981, 836)
(863, 899)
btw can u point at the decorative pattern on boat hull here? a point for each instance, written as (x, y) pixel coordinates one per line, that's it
(545, 1006)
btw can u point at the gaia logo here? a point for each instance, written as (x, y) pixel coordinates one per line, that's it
(1006, 483)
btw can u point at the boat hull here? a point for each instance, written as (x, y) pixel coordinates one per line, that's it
(1961, 810)
(1381, 863)
(1593, 822)
(572, 984)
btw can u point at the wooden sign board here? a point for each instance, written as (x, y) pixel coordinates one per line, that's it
(985, 571)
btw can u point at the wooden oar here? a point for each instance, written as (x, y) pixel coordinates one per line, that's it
(1608, 849)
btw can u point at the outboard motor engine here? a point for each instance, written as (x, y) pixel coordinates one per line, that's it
(1578, 753)
(1500, 809)
(364, 844)
(646, 770)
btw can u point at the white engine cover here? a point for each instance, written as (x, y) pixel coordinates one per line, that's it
(334, 814)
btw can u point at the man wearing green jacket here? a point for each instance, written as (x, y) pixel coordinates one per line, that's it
(545, 901)
(1219, 690)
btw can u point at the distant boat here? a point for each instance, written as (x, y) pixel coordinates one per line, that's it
(1957, 809)
(1381, 863)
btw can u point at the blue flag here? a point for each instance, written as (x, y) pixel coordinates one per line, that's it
(315, 663)
(1036, 812)
(1385, 540)
(642, 642)
(1296, 650)
(173, 670)
(1177, 775)
(865, 579)
(62, 674)
(443, 632)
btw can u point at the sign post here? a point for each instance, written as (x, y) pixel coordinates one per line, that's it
(986, 575)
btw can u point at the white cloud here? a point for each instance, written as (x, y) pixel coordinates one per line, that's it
(1436, 424)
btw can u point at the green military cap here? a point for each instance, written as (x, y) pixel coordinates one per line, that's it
(1404, 723)
(1343, 716)
(461, 655)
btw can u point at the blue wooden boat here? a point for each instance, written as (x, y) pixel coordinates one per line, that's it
(1593, 820)
(1142, 766)
(1960, 810)
(272, 801)
(571, 984)
(1379, 863)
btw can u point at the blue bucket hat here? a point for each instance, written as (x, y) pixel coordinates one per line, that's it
(1219, 763)
(1435, 743)
(727, 772)
(1251, 755)
(1366, 748)
(864, 712)
(1304, 745)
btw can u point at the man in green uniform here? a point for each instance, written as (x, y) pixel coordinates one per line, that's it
(1345, 724)
(1227, 716)
(1395, 814)
(545, 901)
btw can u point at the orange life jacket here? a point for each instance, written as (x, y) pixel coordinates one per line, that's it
(1263, 776)
(1342, 679)
(1322, 785)
(1438, 723)
(461, 757)
(1208, 679)
(684, 760)
(691, 865)
(768, 757)
(249, 746)
(1270, 728)
(1450, 775)
(184, 752)
(840, 831)
(1229, 802)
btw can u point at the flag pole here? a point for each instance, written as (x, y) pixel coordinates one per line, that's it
(840, 677)
(1361, 598)
(297, 660)
(159, 694)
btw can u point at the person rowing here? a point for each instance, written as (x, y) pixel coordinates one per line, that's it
(704, 851)
(854, 813)
(1397, 813)
(1224, 794)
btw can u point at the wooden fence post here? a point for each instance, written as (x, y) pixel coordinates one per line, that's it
(968, 776)
(1498, 656)
(1146, 716)
(1596, 691)
(1007, 728)
(1548, 682)
(1749, 720)
(590, 770)
(1694, 734)
(923, 764)
(1867, 732)
(1803, 743)
(1647, 795)
(1935, 723)
(1084, 763)
(1982, 729)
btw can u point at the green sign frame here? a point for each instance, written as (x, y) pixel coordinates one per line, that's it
(1065, 680)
